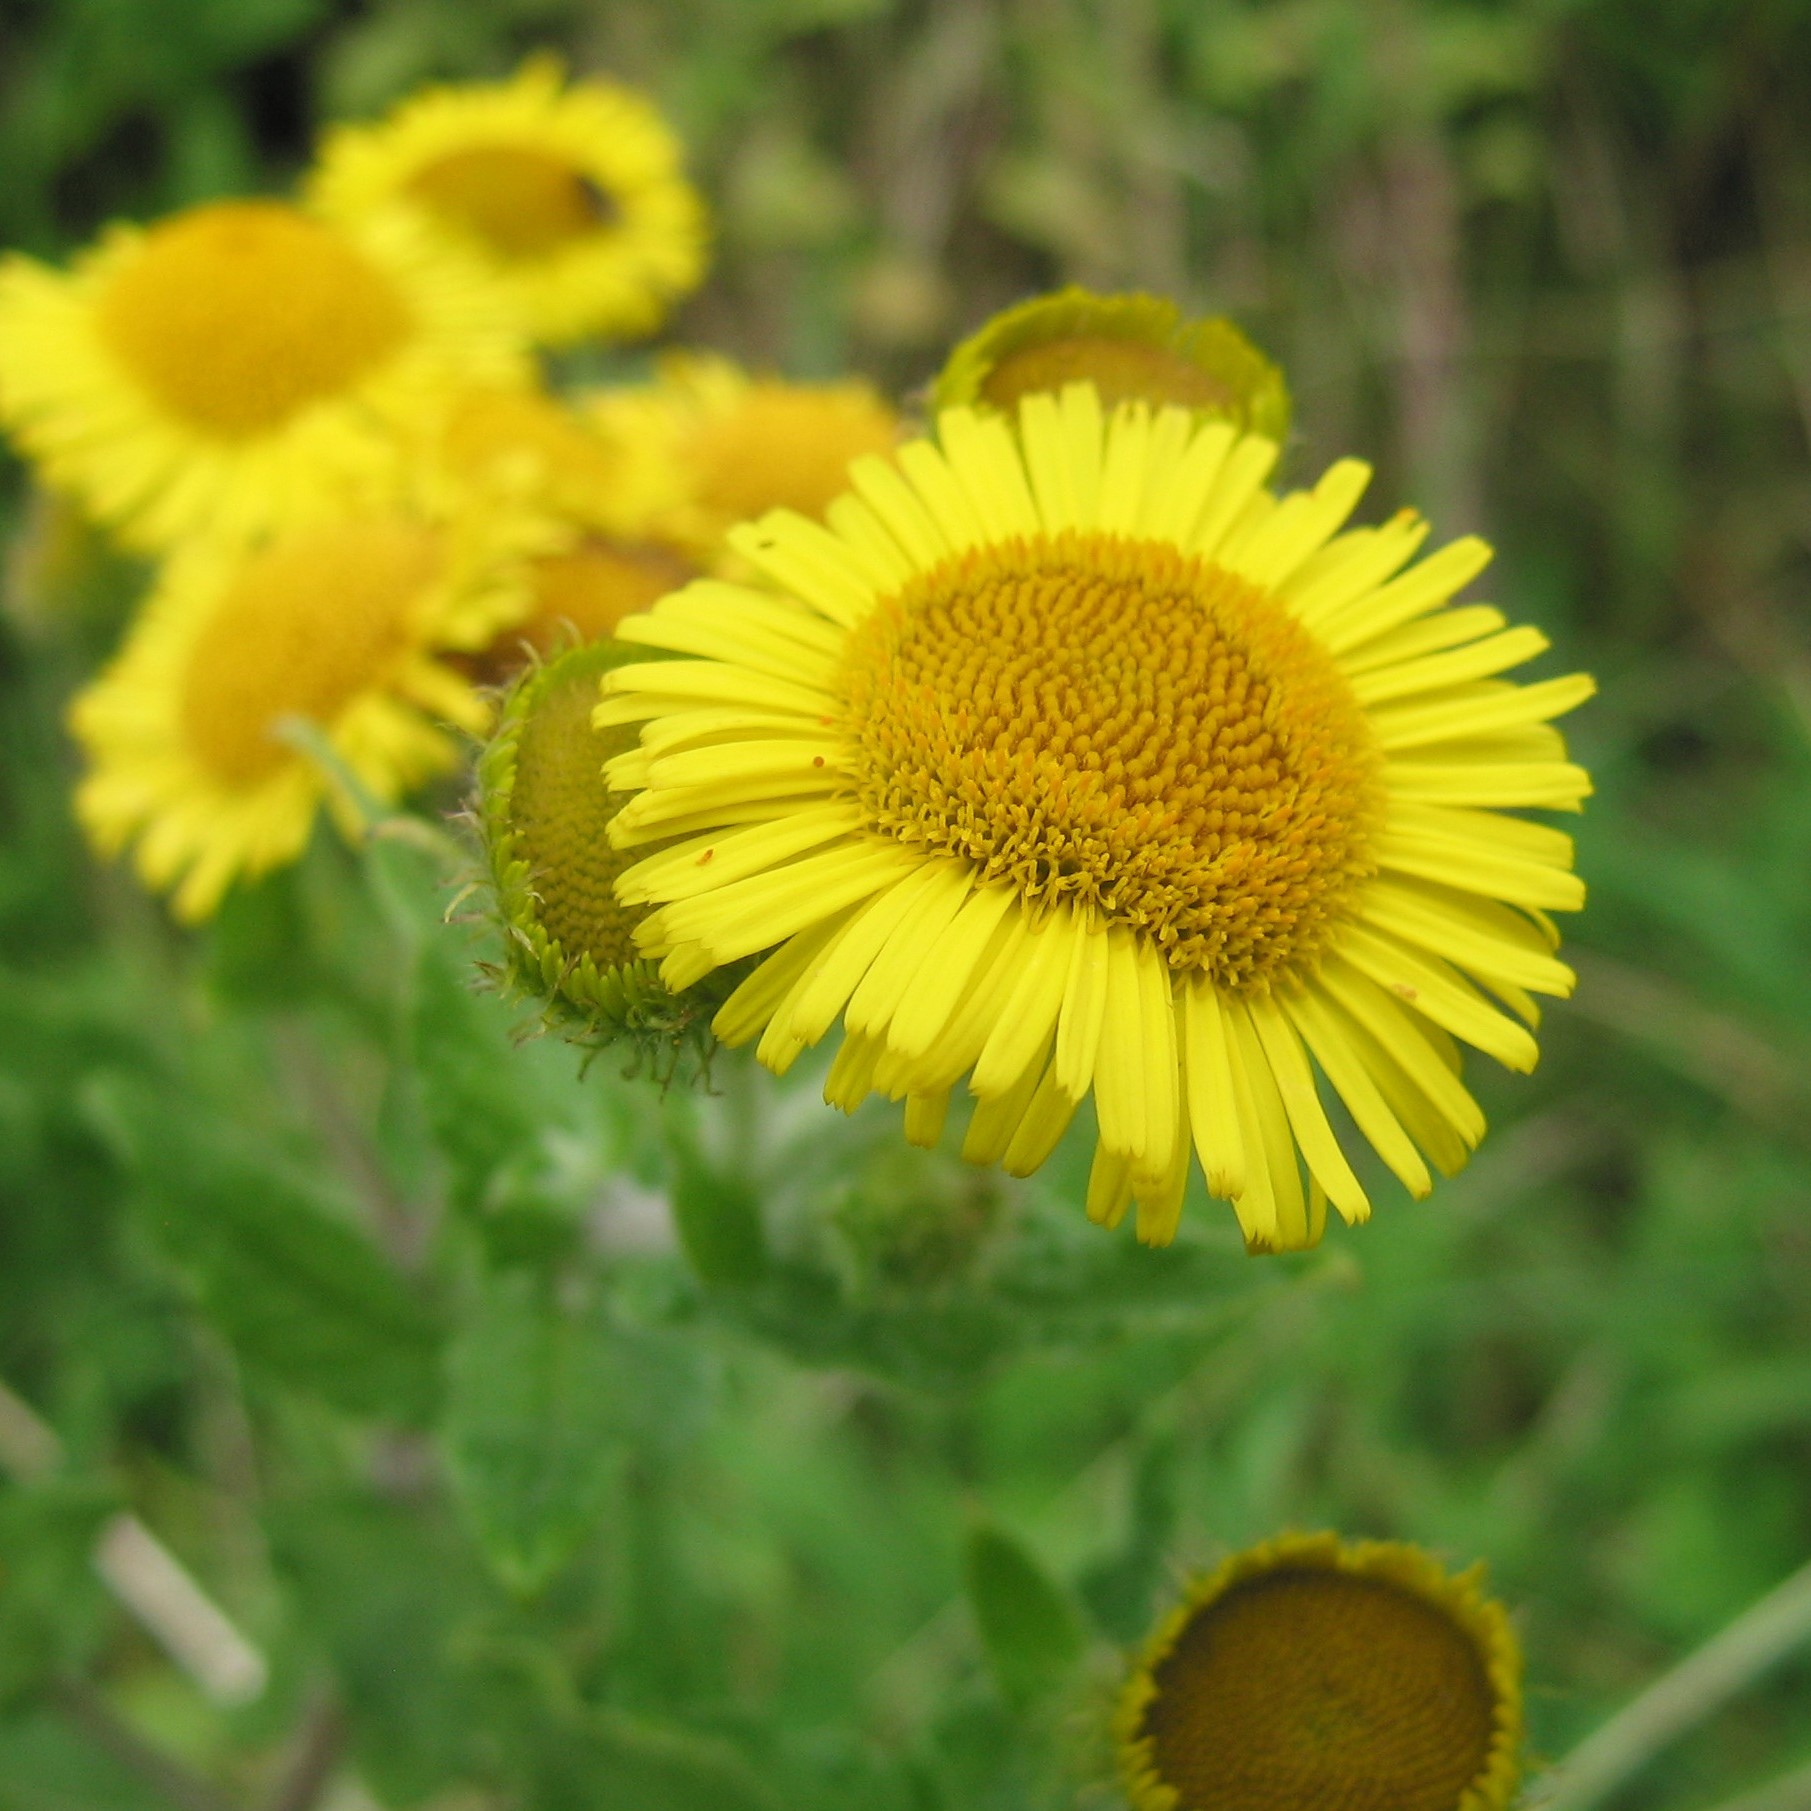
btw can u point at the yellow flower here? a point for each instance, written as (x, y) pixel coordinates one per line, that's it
(344, 625)
(545, 821)
(1309, 1672)
(1132, 348)
(573, 195)
(1077, 762)
(239, 366)
(610, 496)
(734, 446)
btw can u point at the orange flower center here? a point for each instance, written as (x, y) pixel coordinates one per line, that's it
(238, 315)
(1304, 1690)
(521, 203)
(305, 627)
(1112, 722)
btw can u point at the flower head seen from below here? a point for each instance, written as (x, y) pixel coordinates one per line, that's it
(238, 367)
(545, 820)
(573, 195)
(345, 626)
(1132, 348)
(1079, 764)
(1310, 1673)
(736, 445)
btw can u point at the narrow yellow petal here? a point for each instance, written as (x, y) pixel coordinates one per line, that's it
(1119, 1100)
(1456, 666)
(926, 1008)
(1422, 588)
(1029, 1012)
(1321, 1026)
(1084, 1006)
(1307, 1117)
(909, 952)
(1213, 1107)
(1040, 1129)
(1270, 1122)
(1109, 1187)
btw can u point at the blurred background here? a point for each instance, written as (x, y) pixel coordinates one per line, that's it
(596, 1517)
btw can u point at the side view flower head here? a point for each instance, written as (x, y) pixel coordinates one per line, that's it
(1310, 1672)
(572, 195)
(545, 821)
(345, 625)
(1079, 764)
(240, 366)
(1132, 348)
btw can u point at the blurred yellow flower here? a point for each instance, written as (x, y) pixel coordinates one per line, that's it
(735, 445)
(1132, 348)
(610, 496)
(237, 367)
(344, 625)
(1310, 1672)
(1078, 762)
(573, 195)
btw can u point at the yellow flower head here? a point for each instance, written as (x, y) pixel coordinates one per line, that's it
(1309, 1672)
(239, 366)
(1132, 348)
(736, 446)
(342, 624)
(1078, 763)
(525, 447)
(546, 824)
(572, 195)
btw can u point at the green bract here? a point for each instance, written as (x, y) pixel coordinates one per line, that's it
(1130, 347)
(545, 813)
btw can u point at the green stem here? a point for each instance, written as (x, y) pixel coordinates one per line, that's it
(1758, 1639)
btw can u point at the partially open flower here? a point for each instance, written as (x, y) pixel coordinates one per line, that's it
(572, 195)
(545, 817)
(345, 626)
(1310, 1673)
(238, 367)
(1132, 348)
(736, 445)
(1077, 763)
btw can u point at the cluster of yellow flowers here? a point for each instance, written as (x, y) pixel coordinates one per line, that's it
(1051, 749)
(324, 420)
(1048, 746)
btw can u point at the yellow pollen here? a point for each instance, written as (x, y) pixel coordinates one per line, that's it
(787, 446)
(1121, 370)
(1313, 1690)
(560, 811)
(305, 627)
(520, 202)
(238, 315)
(1114, 722)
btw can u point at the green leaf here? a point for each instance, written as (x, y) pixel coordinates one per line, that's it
(52, 1608)
(396, 1602)
(299, 1294)
(531, 1429)
(1028, 1625)
(608, 1761)
(718, 1218)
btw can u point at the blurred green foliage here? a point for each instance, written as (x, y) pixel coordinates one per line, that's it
(842, 1482)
